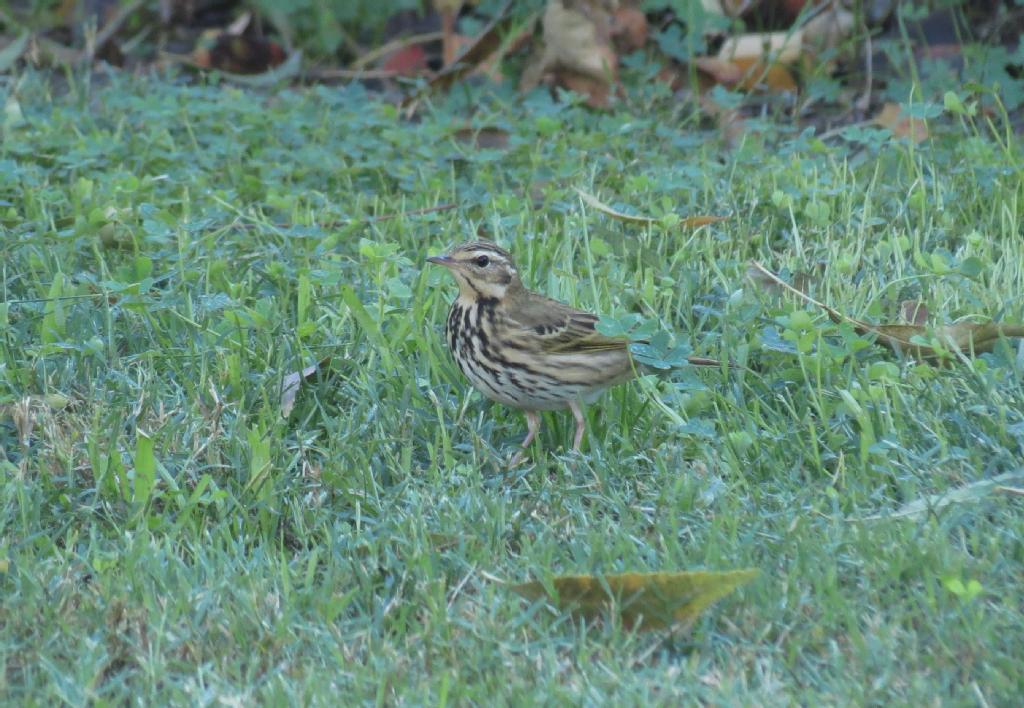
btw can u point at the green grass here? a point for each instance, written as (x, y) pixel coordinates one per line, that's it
(171, 253)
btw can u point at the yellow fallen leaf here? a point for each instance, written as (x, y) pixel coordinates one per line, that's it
(962, 337)
(781, 47)
(891, 117)
(646, 600)
(761, 60)
(965, 338)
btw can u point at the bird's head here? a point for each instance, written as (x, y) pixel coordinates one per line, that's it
(482, 269)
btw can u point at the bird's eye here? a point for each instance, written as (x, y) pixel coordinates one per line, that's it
(483, 261)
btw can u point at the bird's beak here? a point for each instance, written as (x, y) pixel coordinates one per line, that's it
(446, 261)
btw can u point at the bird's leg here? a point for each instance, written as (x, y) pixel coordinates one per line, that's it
(581, 423)
(532, 426)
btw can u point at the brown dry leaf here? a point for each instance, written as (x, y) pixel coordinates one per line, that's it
(410, 60)
(891, 117)
(394, 46)
(964, 338)
(722, 71)
(520, 36)
(577, 51)
(761, 60)
(914, 312)
(629, 29)
(290, 384)
(745, 74)
(489, 67)
(237, 54)
(646, 600)
(597, 91)
(756, 74)
(478, 52)
(689, 222)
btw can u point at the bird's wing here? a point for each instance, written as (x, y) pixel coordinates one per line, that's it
(558, 328)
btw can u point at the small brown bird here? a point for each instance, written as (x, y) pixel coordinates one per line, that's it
(522, 349)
